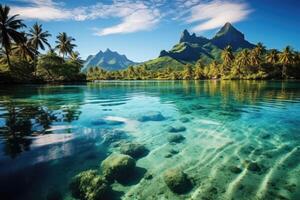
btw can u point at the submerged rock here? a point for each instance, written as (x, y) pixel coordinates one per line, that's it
(176, 138)
(177, 181)
(152, 116)
(172, 129)
(134, 150)
(184, 119)
(235, 169)
(168, 155)
(111, 136)
(173, 151)
(117, 167)
(88, 185)
(252, 166)
(265, 136)
(148, 176)
(100, 122)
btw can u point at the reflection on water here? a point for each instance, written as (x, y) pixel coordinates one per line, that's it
(50, 133)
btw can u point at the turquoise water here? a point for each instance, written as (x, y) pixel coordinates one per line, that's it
(48, 134)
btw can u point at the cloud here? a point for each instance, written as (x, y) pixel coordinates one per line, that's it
(216, 13)
(139, 15)
(134, 15)
(137, 21)
(45, 10)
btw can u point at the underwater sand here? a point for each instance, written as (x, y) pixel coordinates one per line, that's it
(228, 124)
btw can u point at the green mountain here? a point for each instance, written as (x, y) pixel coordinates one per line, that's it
(228, 35)
(163, 63)
(192, 48)
(108, 60)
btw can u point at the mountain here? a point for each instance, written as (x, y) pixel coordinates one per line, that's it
(192, 48)
(108, 60)
(228, 35)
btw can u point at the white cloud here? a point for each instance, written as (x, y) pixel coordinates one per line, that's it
(216, 13)
(135, 15)
(137, 21)
(140, 15)
(45, 10)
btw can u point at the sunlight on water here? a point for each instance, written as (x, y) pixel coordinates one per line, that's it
(241, 139)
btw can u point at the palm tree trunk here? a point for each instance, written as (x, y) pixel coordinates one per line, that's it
(7, 57)
(35, 61)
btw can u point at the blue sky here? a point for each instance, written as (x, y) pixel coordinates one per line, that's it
(140, 29)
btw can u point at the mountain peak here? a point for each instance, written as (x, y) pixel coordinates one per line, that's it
(185, 32)
(188, 38)
(184, 36)
(108, 51)
(108, 60)
(228, 28)
(229, 35)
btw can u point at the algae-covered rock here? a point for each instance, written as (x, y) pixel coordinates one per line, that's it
(151, 116)
(176, 138)
(173, 151)
(111, 136)
(178, 129)
(184, 119)
(177, 181)
(252, 166)
(235, 169)
(148, 176)
(117, 167)
(89, 185)
(134, 150)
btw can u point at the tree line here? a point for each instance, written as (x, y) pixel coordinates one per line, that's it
(21, 59)
(256, 63)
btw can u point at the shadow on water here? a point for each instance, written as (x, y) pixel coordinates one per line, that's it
(20, 124)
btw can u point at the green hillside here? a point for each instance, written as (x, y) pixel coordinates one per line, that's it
(162, 63)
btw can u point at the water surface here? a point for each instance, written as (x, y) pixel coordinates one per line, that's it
(50, 133)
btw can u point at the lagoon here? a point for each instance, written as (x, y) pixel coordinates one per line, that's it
(241, 139)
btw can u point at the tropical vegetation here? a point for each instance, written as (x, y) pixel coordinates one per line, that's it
(23, 57)
(249, 64)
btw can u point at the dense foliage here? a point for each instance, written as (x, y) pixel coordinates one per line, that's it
(20, 57)
(256, 63)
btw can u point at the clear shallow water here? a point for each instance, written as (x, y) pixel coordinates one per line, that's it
(48, 134)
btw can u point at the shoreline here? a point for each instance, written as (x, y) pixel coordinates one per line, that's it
(137, 80)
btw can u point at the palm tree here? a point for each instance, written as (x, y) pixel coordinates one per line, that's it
(24, 49)
(272, 57)
(198, 73)
(227, 57)
(213, 70)
(74, 57)
(243, 60)
(260, 48)
(256, 55)
(188, 72)
(255, 58)
(286, 58)
(38, 38)
(64, 44)
(9, 27)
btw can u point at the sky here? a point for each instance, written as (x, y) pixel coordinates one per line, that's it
(140, 29)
